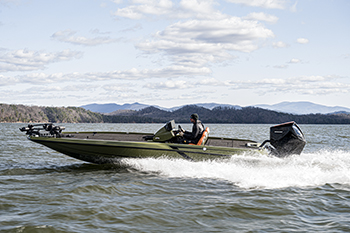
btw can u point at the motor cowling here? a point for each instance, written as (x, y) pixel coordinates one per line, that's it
(287, 139)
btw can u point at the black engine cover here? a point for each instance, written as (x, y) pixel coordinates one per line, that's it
(287, 138)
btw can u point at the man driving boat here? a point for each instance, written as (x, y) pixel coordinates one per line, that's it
(197, 130)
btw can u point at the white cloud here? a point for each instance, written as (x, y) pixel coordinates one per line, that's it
(273, 4)
(69, 37)
(117, 1)
(203, 9)
(7, 80)
(280, 66)
(210, 82)
(202, 41)
(200, 9)
(132, 74)
(294, 61)
(302, 40)
(280, 44)
(141, 8)
(121, 87)
(27, 60)
(261, 16)
(40, 78)
(178, 84)
(294, 7)
(305, 85)
(135, 74)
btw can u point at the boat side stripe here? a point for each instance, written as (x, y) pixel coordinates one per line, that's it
(181, 152)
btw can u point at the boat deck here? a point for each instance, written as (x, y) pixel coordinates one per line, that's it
(139, 137)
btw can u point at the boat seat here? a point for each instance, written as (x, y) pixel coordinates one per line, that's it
(203, 139)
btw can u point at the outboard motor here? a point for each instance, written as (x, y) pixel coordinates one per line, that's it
(287, 139)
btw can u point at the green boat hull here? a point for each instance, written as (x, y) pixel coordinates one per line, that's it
(111, 151)
(111, 147)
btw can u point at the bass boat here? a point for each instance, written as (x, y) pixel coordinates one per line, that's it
(110, 147)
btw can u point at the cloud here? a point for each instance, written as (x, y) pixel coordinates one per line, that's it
(7, 81)
(261, 16)
(305, 85)
(280, 66)
(135, 74)
(27, 60)
(294, 7)
(206, 36)
(198, 9)
(280, 44)
(150, 7)
(133, 28)
(294, 61)
(131, 74)
(197, 42)
(302, 40)
(193, 9)
(270, 4)
(121, 87)
(141, 9)
(69, 37)
(178, 84)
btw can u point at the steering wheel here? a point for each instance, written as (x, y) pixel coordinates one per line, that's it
(181, 129)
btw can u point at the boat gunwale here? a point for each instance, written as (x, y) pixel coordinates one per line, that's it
(112, 143)
(147, 134)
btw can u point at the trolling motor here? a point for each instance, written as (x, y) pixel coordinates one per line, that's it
(285, 139)
(46, 130)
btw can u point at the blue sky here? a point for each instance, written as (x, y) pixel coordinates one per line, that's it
(171, 53)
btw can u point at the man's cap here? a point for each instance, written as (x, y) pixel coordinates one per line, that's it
(195, 116)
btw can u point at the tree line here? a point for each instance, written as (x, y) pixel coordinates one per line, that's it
(247, 115)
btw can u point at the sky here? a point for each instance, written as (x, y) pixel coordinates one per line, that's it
(171, 53)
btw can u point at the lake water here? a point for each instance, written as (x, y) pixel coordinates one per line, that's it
(45, 191)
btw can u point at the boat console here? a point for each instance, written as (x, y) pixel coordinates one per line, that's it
(166, 133)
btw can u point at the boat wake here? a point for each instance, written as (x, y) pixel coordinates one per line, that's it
(257, 171)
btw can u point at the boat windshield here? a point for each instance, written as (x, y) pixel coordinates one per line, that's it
(170, 125)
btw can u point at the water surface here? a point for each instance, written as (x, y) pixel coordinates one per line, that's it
(45, 191)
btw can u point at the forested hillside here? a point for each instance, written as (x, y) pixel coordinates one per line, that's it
(248, 115)
(22, 113)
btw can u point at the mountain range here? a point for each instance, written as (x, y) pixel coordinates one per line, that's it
(302, 107)
(220, 115)
(111, 107)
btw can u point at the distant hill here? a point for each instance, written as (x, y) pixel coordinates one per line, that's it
(36, 114)
(111, 107)
(247, 115)
(303, 108)
(286, 107)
